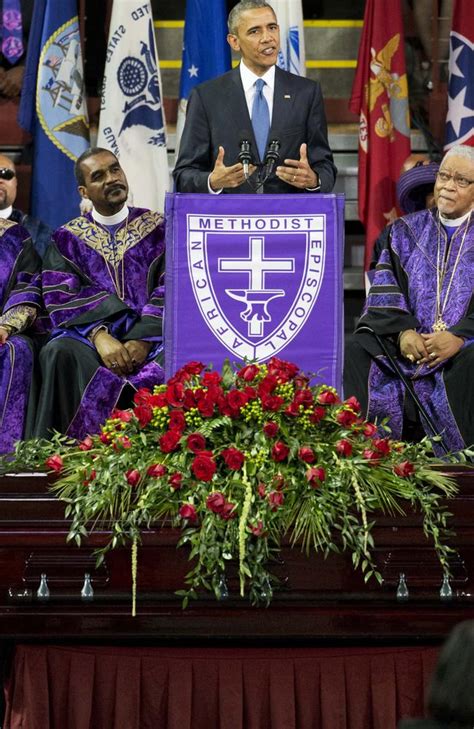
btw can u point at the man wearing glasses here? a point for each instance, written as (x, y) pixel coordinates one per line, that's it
(40, 233)
(421, 307)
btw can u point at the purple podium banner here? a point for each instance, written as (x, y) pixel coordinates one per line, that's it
(249, 277)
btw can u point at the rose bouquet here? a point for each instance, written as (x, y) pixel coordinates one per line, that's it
(238, 460)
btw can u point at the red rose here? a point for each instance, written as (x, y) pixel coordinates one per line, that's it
(353, 403)
(258, 530)
(293, 409)
(233, 458)
(262, 490)
(248, 373)
(215, 502)
(271, 429)
(303, 397)
(315, 476)
(169, 441)
(86, 444)
(175, 394)
(369, 430)
(176, 481)
(143, 414)
(123, 441)
(177, 420)
(104, 438)
(141, 396)
(194, 367)
(272, 402)
(404, 469)
(251, 392)
(318, 414)
(156, 470)
(370, 455)
(237, 399)
(196, 442)
(211, 378)
(280, 451)
(382, 445)
(344, 447)
(55, 463)
(229, 511)
(158, 401)
(267, 385)
(133, 477)
(346, 418)
(275, 499)
(206, 407)
(284, 370)
(307, 454)
(203, 468)
(327, 397)
(188, 512)
(124, 415)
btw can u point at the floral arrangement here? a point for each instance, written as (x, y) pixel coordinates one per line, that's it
(238, 460)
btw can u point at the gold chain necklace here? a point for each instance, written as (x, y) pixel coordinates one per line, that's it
(439, 323)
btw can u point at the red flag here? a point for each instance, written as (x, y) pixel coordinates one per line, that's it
(380, 98)
(460, 119)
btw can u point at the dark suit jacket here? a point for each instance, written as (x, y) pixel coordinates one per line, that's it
(217, 114)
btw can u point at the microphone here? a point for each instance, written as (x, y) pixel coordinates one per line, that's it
(272, 156)
(245, 155)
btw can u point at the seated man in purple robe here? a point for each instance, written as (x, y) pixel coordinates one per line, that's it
(421, 306)
(102, 287)
(20, 301)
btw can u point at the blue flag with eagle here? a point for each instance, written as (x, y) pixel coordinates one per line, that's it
(53, 109)
(206, 53)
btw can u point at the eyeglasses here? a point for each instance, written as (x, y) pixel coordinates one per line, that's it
(458, 180)
(6, 173)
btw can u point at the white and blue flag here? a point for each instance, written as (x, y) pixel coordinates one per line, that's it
(292, 55)
(132, 120)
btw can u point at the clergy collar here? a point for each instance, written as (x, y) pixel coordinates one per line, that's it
(248, 77)
(111, 219)
(453, 222)
(5, 214)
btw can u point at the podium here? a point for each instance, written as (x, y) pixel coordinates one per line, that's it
(250, 277)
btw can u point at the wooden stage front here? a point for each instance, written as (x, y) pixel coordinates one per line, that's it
(321, 601)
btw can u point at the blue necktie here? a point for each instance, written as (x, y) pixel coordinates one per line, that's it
(260, 118)
(12, 35)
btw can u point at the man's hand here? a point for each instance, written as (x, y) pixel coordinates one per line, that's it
(11, 81)
(138, 351)
(441, 346)
(298, 172)
(412, 346)
(4, 334)
(222, 176)
(114, 355)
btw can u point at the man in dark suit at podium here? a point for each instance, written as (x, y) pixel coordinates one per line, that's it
(235, 120)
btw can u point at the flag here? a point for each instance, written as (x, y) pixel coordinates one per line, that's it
(292, 55)
(53, 109)
(380, 99)
(206, 53)
(132, 120)
(460, 119)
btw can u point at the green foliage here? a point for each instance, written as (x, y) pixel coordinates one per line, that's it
(241, 461)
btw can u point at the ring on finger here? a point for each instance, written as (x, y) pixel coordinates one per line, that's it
(294, 178)
(410, 357)
(114, 364)
(433, 355)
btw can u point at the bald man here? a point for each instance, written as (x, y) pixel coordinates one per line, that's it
(40, 233)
